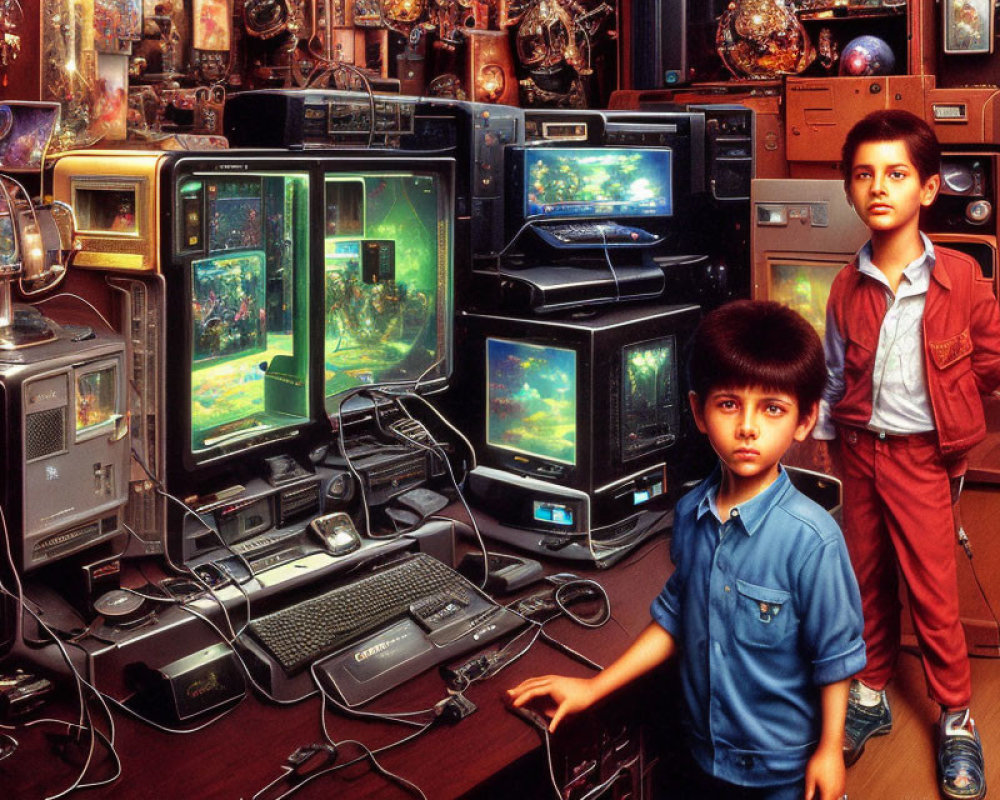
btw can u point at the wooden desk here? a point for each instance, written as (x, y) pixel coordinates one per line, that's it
(235, 757)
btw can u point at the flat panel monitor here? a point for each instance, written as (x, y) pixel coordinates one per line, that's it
(593, 182)
(387, 279)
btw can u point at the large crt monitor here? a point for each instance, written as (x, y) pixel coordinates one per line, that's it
(387, 278)
(238, 300)
(580, 426)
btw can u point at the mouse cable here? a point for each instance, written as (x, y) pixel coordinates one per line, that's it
(593, 793)
(370, 754)
(957, 484)
(83, 300)
(481, 543)
(108, 745)
(131, 712)
(614, 272)
(184, 569)
(18, 594)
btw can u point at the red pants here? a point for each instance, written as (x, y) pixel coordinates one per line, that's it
(898, 513)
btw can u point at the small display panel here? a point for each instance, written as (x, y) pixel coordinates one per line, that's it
(228, 298)
(650, 411)
(387, 274)
(562, 182)
(112, 209)
(234, 213)
(531, 399)
(804, 286)
(96, 398)
(247, 301)
(553, 513)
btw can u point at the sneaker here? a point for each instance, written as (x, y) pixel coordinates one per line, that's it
(960, 758)
(864, 722)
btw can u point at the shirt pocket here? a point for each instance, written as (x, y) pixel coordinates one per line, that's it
(952, 362)
(859, 358)
(762, 614)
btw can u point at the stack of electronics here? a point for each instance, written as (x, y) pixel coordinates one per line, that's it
(288, 311)
(573, 392)
(286, 317)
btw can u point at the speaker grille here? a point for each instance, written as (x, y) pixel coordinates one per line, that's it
(44, 433)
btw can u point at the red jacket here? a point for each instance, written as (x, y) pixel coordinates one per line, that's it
(961, 332)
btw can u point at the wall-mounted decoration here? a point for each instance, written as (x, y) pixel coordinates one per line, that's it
(763, 39)
(968, 26)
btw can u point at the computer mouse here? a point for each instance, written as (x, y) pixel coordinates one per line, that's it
(337, 533)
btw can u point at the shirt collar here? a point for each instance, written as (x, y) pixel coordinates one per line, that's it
(751, 513)
(917, 272)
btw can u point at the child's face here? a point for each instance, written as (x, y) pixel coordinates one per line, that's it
(885, 187)
(750, 429)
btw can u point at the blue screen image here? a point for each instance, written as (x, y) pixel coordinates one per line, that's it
(597, 182)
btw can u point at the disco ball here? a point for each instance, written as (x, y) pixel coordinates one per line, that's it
(867, 55)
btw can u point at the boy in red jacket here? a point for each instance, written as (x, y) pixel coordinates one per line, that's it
(912, 340)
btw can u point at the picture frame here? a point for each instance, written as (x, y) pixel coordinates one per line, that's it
(967, 26)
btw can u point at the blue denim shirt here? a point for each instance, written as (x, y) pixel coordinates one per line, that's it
(765, 609)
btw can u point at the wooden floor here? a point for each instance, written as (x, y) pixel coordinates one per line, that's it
(902, 766)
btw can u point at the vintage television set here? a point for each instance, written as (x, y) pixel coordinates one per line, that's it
(580, 425)
(218, 310)
(231, 325)
(241, 396)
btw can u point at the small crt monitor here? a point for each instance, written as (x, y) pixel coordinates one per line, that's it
(531, 400)
(594, 182)
(114, 197)
(650, 396)
(97, 399)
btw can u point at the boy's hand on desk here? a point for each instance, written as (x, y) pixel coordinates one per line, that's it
(567, 695)
(826, 775)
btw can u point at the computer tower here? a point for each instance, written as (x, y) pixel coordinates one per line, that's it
(64, 465)
(673, 42)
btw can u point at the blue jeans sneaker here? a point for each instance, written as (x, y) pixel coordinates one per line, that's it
(960, 758)
(864, 722)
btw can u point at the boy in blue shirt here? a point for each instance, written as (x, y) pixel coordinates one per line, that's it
(762, 611)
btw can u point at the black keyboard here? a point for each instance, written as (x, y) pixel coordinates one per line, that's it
(418, 585)
(589, 234)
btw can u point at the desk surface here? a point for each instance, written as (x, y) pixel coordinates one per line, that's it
(239, 754)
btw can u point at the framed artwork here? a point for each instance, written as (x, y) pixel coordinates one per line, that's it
(111, 96)
(968, 26)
